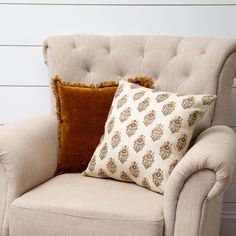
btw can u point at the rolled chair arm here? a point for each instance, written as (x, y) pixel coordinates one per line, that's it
(214, 149)
(214, 152)
(28, 157)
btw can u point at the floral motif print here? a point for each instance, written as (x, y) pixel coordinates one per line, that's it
(207, 100)
(119, 90)
(124, 176)
(111, 166)
(110, 125)
(102, 173)
(157, 132)
(92, 164)
(134, 86)
(103, 151)
(122, 101)
(168, 108)
(162, 97)
(123, 154)
(132, 128)
(165, 150)
(172, 166)
(144, 104)
(188, 102)
(139, 143)
(148, 159)
(181, 143)
(134, 170)
(193, 117)
(138, 95)
(124, 115)
(175, 124)
(145, 183)
(149, 118)
(115, 140)
(149, 136)
(157, 177)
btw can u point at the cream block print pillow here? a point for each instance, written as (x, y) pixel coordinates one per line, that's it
(146, 134)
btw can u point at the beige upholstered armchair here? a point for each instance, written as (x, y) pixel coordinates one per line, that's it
(34, 202)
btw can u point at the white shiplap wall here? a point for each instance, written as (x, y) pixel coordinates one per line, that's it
(24, 86)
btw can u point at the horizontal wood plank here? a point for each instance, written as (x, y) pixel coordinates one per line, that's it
(20, 103)
(48, 20)
(230, 194)
(23, 66)
(229, 209)
(123, 2)
(228, 219)
(234, 83)
(228, 226)
(29, 68)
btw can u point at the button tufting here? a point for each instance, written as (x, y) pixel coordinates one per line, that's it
(142, 52)
(74, 44)
(187, 74)
(155, 75)
(203, 51)
(121, 73)
(108, 50)
(175, 53)
(87, 68)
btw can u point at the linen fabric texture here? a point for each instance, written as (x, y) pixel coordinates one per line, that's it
(82, 110)
(146, 134)
(83, 207)
(182, 65)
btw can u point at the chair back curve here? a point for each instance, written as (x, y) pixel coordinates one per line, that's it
(181, 65)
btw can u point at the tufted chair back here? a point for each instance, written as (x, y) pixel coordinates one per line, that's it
(181, 65)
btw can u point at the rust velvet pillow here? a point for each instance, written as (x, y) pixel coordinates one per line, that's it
(82, 112)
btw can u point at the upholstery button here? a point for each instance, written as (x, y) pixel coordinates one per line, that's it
(87, 69)
(203, 51)
(107, 49)
(121, 73)
(187, 74)
(74, 45)
(175, 53)
(155, 75)
(142, 53)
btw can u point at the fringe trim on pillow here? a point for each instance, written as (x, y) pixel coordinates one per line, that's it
(54, 84)
(144, 81)
(83, 85)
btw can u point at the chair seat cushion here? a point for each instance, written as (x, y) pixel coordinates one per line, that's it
(71, 204)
